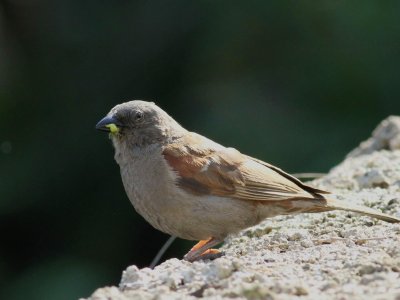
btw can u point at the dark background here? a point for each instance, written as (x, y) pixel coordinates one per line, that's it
(296, 83)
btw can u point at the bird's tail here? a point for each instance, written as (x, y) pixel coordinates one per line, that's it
(341, 205)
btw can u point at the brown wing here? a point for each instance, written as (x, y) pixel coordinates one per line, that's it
(290, 177)
(207, 168)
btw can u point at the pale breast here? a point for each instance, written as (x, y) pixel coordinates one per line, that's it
(147, 184)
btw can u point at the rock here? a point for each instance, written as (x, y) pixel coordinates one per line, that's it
(334, 255)
(385, 137)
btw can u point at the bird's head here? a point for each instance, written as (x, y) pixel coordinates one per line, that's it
(139, 123)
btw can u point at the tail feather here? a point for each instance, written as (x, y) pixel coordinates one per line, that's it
(341, 205)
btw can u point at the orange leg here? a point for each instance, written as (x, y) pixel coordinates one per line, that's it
(200, 244)
(202, 250)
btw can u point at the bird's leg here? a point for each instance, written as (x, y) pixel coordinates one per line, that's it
(202, 250)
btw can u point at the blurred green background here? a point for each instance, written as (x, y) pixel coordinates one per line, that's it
(296, 83)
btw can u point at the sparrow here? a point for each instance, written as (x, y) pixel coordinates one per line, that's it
(189, 186)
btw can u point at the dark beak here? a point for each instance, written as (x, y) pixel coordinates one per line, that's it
(108, 123)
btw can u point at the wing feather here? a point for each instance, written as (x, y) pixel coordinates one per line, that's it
(207, 168)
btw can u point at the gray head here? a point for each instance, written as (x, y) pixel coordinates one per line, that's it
(140, 123)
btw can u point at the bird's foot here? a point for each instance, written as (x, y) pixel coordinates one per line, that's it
(210, 254)
(202, 250)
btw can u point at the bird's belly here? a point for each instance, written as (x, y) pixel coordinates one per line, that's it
(176, 212)
(194, 217)
(151, 187)
(202, 217)
(212, 216)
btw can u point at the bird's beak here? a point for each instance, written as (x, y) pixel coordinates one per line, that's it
(109, 124)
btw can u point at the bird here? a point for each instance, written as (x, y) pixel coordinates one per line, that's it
(189, 186)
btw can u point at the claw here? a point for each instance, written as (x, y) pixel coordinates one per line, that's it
(210, 254)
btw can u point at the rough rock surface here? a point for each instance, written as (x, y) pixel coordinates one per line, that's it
(386, 136)
(335, 255)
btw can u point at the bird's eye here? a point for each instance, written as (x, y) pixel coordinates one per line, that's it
(139, 116)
